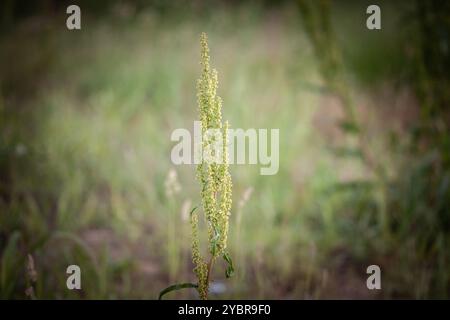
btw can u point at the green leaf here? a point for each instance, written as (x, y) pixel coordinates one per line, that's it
(230, 269)
(177, 286)
(192, 211)
(215, 241)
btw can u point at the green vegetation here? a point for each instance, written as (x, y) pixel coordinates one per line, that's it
(86, 176)
(215, 181)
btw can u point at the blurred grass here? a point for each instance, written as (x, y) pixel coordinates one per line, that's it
(86, 119)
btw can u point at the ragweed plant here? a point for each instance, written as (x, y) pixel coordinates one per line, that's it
(215, 181)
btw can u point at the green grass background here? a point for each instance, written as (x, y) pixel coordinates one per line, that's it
(86, 118)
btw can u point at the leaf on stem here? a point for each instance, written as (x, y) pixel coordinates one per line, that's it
(230, 269)
(177, 286)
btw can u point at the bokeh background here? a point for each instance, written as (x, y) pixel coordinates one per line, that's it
(85, 170)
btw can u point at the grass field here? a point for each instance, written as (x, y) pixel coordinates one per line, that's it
(86, 118)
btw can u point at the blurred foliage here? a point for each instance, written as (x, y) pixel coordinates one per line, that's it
(86, 117)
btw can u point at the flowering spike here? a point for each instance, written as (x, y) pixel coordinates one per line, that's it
(214, 177)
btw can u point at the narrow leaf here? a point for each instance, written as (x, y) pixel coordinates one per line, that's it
(177, 286)
(215, 241)
(230, 269)
(192, 211)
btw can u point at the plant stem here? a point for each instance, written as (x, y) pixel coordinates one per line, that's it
(210, 266)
